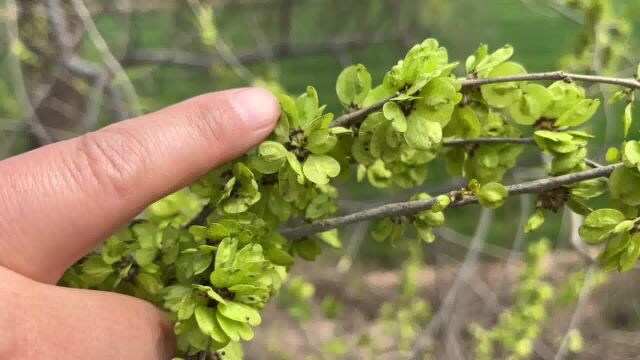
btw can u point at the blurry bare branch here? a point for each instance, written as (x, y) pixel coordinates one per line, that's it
(111, 62)
(275, 52)
(466, 271)
(82, 68)
(412, 207)
(17, 77)
(452, 236)
(577, 313)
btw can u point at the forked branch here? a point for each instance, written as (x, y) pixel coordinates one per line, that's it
(354, 117)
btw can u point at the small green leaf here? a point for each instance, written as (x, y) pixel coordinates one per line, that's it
(464, 124)
(231, 328)
(186, 307)
(321, 141)
(339, 130)
(240, 312)
(565, 96)
(624, 185)
(270, 157)
(502, 95)
(249, 254)
(295, 166)
(96, 267)
(599, 223)
(307, 249)
(476, 58)
(383, 229)
(425, 233)
(534, 101)
(578, 206)
(397, 233)
(496, 58)
(631, 154)
(210, 293)
(361, 172)
(629, 256)
(441, 203)
(617, 96)
(201, 262)
(588, 189)
(279, 257)
(353, 85)
(405, 97)
(206, 317)
(613, 155)
(579, 113)
(393, 112)
(148, 283)
(422, 134)
(226, 252)
(320, 123)
(628, 118)
(217, 231)
(308, 107)
(378, 175)
(331, 237)
(535, 221)
(319, 169)
(492, 195)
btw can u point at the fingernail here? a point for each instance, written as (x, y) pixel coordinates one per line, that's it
(258, 108)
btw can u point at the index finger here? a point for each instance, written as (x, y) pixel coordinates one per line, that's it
(60, 201)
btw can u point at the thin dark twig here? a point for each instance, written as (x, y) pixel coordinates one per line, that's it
(412, 207)
(554, 75)
(355, 116)
(592, 163)
(497, 140)
(350, 118)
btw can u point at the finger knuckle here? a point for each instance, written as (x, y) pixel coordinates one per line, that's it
(211, 121)
(111, 158)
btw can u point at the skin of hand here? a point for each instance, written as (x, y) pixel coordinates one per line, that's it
(59, 202)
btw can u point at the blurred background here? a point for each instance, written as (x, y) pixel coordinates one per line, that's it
(72, 66)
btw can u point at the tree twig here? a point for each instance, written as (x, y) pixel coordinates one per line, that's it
(592, 163)
(17, 78)
(554, 75)
(412, 207)
(496, 140)
(353, 117)
(468, 268)
(110, 60)
(76, 65)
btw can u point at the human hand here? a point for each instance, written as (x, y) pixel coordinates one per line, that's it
(59, 202)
